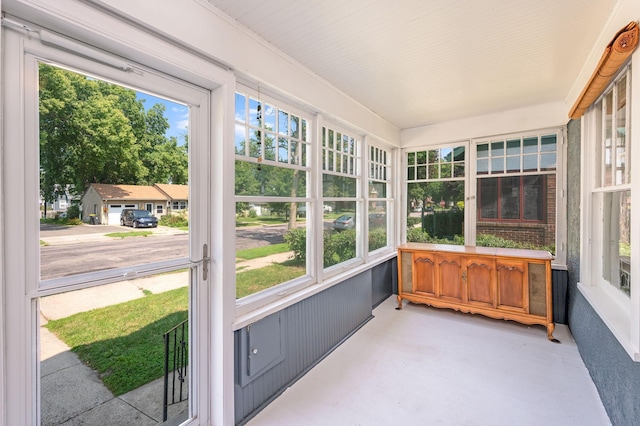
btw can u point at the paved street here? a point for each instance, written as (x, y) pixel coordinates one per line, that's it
(71, 250)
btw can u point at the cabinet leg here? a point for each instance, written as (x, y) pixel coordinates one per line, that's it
(550, 327)
(399, 307)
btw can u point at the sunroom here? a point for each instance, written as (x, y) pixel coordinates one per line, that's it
(317, 140)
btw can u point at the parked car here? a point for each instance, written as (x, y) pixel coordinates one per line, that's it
(138, 218)
(346, 221)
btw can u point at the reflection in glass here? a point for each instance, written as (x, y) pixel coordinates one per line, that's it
(267, 180)
(339, 239)
(377, 225)
(616, 259)
(338, 186)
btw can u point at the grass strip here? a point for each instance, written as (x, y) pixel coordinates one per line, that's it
(255, 280)
(257, 252)
(129, 234)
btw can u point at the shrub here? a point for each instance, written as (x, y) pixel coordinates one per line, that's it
(73, 211)
(377, 239)
(297, 240)
(411, 221)
(178, 220)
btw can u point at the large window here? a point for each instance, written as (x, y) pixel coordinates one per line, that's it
(379, 197)
(436, 195)
(272, 145)
(341, 172)
(516, 180)
(607, 279)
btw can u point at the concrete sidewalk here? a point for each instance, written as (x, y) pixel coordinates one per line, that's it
(72, 393)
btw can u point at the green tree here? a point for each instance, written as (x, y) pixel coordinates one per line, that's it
(92, 131)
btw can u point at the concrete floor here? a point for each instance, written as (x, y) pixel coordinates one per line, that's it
(423, 366)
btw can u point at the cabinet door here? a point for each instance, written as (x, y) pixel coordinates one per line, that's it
(480, 277)
(424, 273)
(450, 268)
(513, 291)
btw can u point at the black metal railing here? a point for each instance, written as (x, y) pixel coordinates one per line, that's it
(175, 366)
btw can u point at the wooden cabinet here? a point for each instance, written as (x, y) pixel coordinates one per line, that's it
(510, 284)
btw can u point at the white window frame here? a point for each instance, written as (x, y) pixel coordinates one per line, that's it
(621, 314)
(390, 166)
(360, 177)
(470, 219)
(214, 369)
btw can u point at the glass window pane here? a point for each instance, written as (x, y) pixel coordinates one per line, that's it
(510, 198)
(339, 239)
(513, 147)
(609, 178)
(497, 149)
(446, 155)
(422, 172)
(445, 170)
(458, 153)
(458, 170)
(483, 150)
(411, 158)
(283, 150)
(269, 117)
(255, 113)
(434, 171)
(436, 212)
(270, 245)
(377, 224)
(530, 145)
(482, 167)
(530, 163)
(548, 161)
(533, 197)
(338, 186)
(621, 132)
(497, 165)
(266, 180)
(269, 152)
(488, 198)
(107, 174)
(616, 257)
(283, 123)
(411, 173)
(240, 139)
(241, 106)
(377, 190)
(421, 157)
(513, 164)
(295, 127)
(548, 143)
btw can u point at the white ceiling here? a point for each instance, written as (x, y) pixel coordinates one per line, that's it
(420, 62)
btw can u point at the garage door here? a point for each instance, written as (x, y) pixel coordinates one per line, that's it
(115, 210)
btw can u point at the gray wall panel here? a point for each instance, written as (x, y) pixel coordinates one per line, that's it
(615, 375)
(384, 279)
(312, 328)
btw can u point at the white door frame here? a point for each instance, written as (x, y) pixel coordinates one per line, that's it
(212, 307)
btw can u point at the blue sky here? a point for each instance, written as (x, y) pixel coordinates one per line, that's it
(177, 114)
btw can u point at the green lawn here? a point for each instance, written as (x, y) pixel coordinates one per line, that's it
(257, 252)
(123, 342)
(129, 234)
